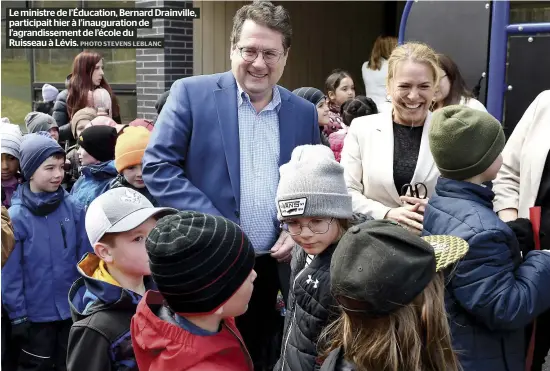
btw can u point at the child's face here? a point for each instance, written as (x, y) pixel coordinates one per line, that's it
(344, 91)
(127, 253)
(322, 113)
(314, 243)
(48, 177)
(54, 133)
(132, 175)
(238, 303)
(491, 173)
(85, 158)
(10, 165)
(82, 124)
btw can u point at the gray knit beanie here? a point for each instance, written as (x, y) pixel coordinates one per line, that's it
(312, 185)
(38, 121)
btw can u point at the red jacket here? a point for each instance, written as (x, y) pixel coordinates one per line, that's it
(161, 345)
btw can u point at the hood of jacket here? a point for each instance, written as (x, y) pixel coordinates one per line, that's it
(103, 170)
(89, 295)
(161, 344)
(41, 203)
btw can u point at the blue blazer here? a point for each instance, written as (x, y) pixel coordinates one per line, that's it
(192, 161)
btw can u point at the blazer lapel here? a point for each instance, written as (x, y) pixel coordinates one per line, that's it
(383, 143)
(287, 130)
(226, 105)
(425, 161)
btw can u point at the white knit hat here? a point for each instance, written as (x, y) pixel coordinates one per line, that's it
(312, 185)
(11, 138)
(49, 93)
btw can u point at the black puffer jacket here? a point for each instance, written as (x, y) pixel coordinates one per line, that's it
(311, 308)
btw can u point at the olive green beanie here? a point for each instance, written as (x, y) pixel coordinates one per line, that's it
(464, 142)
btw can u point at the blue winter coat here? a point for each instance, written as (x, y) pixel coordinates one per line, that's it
(42, 267)
(492, 295)
(93, 182)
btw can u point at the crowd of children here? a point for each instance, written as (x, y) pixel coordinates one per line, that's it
(96, 276)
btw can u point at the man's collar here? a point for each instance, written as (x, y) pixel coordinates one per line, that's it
(275, 102)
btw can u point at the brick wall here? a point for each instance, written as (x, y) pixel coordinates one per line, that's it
(157, 69)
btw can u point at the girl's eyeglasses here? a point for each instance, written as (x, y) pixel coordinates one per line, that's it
(317, 226)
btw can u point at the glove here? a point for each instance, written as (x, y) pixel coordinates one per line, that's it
(524, 233)
(20, 330)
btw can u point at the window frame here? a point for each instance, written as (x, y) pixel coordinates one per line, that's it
(119, 89)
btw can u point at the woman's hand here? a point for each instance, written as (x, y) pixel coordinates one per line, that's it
(414, 200)
(407, 216)
(508, 215)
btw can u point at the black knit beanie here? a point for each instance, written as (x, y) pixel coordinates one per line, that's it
(99, 142)
(198, 261)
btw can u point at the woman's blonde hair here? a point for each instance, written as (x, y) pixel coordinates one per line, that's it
(415, 337)
(382, 49)
(415, 52)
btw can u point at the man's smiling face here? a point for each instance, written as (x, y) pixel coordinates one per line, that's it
(258, 78)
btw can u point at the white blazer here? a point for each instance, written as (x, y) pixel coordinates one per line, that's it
(367, 158)
(518, 181)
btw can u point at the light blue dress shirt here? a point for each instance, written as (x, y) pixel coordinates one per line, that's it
(259, 161)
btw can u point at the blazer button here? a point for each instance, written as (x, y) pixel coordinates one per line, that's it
(237, 214)
(354, 229)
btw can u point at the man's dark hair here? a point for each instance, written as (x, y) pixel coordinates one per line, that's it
(265, 14)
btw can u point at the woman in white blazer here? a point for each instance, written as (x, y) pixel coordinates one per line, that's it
(385, 151)
(525, 157)
(452, 87)
(375, 71)
(523, 182)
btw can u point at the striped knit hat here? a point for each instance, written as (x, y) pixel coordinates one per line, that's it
(198, 261)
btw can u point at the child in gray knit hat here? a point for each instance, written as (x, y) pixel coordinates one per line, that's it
(38, 121)
(314, 206)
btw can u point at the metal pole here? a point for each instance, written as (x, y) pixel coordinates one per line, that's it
(404, 18)
(496, 86)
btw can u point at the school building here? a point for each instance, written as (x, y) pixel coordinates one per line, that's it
(326, 35)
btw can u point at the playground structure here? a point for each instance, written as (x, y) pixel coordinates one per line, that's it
(510, 60)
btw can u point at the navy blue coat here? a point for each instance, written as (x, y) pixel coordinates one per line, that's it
(42, 267)
(492, 295)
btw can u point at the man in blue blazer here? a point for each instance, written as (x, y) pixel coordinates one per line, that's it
(218, 144)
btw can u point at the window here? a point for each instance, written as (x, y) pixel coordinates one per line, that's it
(16, 75)
(529, 12)
(128, 107)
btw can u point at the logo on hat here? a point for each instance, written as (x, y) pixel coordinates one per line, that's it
(292, 207)
(131, 196)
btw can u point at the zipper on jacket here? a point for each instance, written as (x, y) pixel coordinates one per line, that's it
(243, 346)
(293, 318)
(63, 233)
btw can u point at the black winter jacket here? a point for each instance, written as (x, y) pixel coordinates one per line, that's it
(311, 308)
